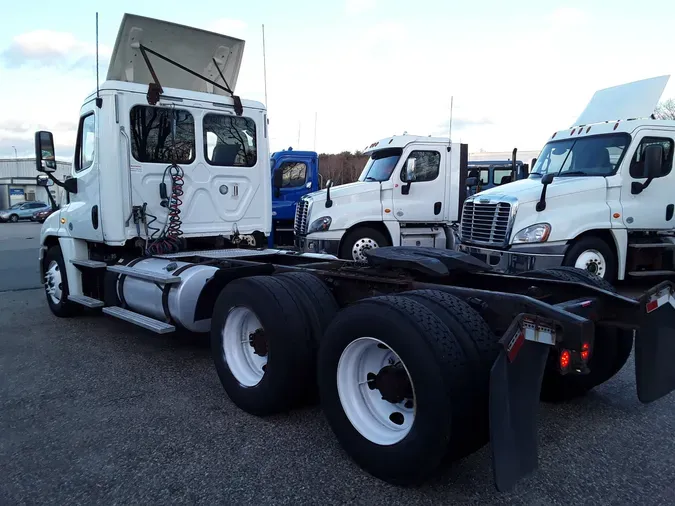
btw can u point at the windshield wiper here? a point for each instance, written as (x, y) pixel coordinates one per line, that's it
(371, 178)
(573, 173)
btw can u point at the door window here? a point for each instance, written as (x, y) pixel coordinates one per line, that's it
(86, 143)
(637, 163)
(502, 176)
(294, 174)
(483, 175)
(229, 141)
(427, 165)
(162, 135)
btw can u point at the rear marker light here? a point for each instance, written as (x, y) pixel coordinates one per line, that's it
(573, 130)
(585, 352)
(652, 305)
(586, 303)
(529, 331)
(564, 359)
(554, 134)
(616, 126)
(588, 129)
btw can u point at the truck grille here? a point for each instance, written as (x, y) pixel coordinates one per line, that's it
(486, 223)
(300, 224)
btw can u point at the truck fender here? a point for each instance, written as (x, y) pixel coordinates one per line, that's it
(393, 233)
(73, 249)
(619, 238)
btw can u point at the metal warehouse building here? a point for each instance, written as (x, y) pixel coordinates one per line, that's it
(17, 181)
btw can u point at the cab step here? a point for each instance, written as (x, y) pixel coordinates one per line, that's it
(156, 277)
(90, 264)
(83, 300)
(146, 322)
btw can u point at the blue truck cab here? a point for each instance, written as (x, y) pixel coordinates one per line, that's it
(491, 173)
(294, 174)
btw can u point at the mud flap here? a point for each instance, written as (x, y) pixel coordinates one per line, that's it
(515, 386)
(655, 344)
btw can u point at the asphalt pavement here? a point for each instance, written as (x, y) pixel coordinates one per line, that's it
(95, 411)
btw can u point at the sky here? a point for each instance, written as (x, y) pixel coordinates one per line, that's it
(357, 70)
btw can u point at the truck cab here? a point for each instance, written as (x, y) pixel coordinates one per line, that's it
(491, 173)
(297, 173)
(409, 193)
(599, 196)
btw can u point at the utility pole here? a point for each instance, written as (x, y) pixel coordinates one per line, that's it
(315, 116)
(15, 154)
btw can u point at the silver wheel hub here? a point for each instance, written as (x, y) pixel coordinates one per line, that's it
(245, 346)
(592, 261)
(53, 282)
(361, 246)
(376, 391)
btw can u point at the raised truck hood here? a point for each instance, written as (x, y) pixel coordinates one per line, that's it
(529, 190)
(193, 48)
(347, 190)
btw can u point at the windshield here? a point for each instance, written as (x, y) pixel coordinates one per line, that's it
(588, 156)
(17, 206)
(380, 165)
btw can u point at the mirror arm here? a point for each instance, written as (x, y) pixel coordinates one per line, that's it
(541, 205)
(329, 202)
(66, 185)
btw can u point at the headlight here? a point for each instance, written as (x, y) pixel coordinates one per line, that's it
(4, 215)
(320, 225)
(533, 233)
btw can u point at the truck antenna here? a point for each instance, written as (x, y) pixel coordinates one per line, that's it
(264, 63)
(99, 101)
(452, 99)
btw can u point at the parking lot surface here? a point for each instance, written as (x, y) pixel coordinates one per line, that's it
(94, 411)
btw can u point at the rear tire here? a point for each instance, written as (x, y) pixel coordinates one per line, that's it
(359, 240)
(435, 366)
(262, 345)
(481, 347)
(611, 349)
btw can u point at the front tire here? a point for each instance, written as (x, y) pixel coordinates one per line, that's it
(56, 284)
(594, 255)
(360, 240)
(13, 218)
(390, 375)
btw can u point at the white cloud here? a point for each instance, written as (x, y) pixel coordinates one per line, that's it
(359, 6)
(569, 16)
(47, 48)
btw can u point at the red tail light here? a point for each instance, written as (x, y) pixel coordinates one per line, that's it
(585, 352)
(564, 359)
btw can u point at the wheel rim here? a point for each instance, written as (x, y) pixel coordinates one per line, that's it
(368, 372)
(245, 346)
(361, 246)
(592, 261)
(54, 282)
(13, 219)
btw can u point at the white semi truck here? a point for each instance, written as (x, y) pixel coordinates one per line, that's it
(600, 196)
(417, 354)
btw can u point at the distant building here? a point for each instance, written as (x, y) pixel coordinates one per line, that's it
(523, 156)
(17, 182)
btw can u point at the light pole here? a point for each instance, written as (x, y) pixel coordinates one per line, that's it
(15, 154)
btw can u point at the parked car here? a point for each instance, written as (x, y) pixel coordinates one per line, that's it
(41, 215)
(22, 211)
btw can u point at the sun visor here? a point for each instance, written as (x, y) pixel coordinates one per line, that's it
(627, 101)
(193, 48)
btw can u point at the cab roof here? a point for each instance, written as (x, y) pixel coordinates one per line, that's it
(206, 53)
(401, 141)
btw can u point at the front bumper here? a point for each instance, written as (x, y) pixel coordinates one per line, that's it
(327, 246)
(513, 261)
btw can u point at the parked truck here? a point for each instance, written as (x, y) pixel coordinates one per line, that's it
(599, 197)
(299, 176)
(491, 173)
(417, 354)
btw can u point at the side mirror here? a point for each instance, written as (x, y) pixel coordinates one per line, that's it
(471, 181)
(45, 158)
(308, 185)
(410, 170)
(42, 180)
(653, 156)
(547, 178)
(329, 183)
(278, 178)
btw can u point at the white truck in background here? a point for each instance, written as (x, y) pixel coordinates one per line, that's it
(419, 355)
(600, 196)
(408, 194)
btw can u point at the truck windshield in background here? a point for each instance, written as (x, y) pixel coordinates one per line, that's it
(588, 156)
(380, 165)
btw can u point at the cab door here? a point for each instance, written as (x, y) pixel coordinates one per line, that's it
(423, 200)
(295, 185)
(84, 213)
(653, 207)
